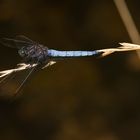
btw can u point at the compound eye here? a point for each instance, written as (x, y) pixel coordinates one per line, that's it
(21, 53)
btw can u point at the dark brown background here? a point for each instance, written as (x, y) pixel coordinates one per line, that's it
(75, 99)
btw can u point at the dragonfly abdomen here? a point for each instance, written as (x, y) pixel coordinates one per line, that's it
(55, 53)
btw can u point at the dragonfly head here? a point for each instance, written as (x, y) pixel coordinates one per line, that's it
(22, 52)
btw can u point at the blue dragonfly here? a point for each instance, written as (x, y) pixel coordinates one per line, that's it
(37, 56)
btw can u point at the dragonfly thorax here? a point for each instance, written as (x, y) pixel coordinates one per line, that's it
(34, 54)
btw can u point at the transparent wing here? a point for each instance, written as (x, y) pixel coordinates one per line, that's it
(24, 39)
(18, 42)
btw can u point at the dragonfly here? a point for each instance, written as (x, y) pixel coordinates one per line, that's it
(37, 56)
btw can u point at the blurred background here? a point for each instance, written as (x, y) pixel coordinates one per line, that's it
(75, 99)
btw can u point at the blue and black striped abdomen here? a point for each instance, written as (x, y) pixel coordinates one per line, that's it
(55, 53)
